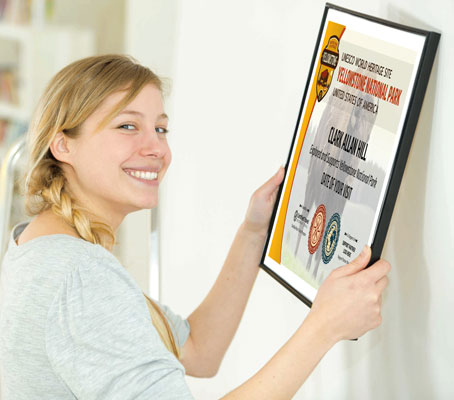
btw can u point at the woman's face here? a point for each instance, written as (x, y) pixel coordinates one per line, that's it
(118, 169)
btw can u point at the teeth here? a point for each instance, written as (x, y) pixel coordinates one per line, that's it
(149, 176)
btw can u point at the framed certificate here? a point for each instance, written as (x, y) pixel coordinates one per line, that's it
(352, 138)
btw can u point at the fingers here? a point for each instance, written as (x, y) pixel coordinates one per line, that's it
(358, 264)
(381, 284)
(377, 271)
(352, 296)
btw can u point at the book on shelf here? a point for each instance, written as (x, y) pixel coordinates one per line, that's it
(16, 11)
(10, 132)
(26, 11)
(2, 8)
(8, 86)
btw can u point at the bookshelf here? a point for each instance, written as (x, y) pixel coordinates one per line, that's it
(30, 55)
(35, 55)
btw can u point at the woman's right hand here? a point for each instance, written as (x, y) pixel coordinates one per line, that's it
(348, 303)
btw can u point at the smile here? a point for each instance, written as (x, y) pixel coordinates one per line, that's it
(147, 175)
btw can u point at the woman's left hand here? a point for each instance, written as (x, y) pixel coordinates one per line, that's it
(261, 205)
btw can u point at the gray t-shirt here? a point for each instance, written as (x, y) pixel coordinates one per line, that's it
(75, 325)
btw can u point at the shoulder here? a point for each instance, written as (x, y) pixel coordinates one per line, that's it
(49, 236)
(66, 260)
(59, 260)
(90, 269)
(53, 247)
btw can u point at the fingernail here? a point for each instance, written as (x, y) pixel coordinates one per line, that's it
(364, 251)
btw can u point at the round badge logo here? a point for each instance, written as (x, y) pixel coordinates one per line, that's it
(328, 63)
(316, 229)
(331, 238)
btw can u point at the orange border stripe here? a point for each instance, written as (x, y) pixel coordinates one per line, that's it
(276, 243)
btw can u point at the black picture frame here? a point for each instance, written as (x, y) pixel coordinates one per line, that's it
(418, 89)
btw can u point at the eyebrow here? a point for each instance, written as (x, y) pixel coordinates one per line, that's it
(132, 112)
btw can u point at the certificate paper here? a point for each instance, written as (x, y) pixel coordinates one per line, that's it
(353, 134)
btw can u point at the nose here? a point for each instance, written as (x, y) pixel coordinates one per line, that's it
(152, 145)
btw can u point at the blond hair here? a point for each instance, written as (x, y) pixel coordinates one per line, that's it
(69, 99)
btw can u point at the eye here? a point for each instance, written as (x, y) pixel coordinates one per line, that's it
(127, 127)
(161, 130)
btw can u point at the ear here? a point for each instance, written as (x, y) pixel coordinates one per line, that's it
(59, 148)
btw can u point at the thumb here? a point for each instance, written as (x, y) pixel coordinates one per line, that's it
(273, 183)
(358, 263)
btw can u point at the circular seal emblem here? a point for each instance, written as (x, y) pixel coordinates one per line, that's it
(316, 229)
(331, 238)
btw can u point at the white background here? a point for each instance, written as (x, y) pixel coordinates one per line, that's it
(238, 69)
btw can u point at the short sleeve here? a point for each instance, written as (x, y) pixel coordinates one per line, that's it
(101, 342)
(180, 327)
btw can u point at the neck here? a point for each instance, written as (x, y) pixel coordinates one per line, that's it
(57, 224)
(95, 212)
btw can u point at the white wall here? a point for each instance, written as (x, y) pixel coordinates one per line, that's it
(239, 70)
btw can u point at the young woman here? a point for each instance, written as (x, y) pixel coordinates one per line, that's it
(73, 323)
